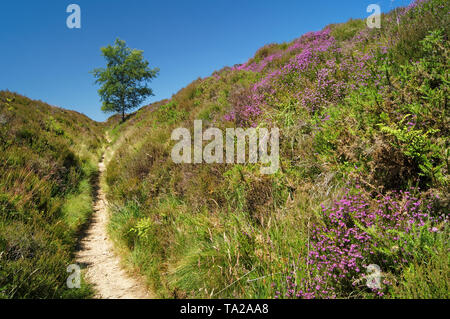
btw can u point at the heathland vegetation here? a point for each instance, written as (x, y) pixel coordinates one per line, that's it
(48, 157)
(364, 122)
(362, 186)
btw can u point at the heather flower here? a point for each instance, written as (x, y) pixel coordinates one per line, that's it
(354, 231)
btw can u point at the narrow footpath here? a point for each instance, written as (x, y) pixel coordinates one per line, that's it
(95, 254)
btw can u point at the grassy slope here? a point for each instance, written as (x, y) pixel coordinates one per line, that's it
(47, 159)
(363, 118)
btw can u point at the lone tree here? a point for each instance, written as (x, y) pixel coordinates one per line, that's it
(124, 81)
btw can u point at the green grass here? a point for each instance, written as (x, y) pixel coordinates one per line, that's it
(78, 207)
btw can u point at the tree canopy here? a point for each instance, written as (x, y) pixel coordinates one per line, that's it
(124, 81)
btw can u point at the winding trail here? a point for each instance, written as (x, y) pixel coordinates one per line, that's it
(96, 256)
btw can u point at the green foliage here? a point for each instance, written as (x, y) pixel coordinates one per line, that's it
(415, 25)
(142, 228)
(427, 276)
(53, 126)
(169, 113)
(418, 145)
(348, 30)
(78, 207)
(124, 80)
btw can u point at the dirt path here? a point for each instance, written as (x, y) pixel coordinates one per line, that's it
(96, 255)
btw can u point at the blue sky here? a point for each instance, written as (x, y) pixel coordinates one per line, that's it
(43, 59)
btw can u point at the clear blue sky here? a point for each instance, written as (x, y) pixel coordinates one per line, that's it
(43, 59)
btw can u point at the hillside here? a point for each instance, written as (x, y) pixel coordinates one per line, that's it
(47, 160)
(356, 207)
(363, 180)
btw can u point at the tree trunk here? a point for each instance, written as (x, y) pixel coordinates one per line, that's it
(123, 115)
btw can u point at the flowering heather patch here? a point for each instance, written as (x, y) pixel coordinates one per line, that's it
(258, 67)
(358, 231)
(310, 45)
(320, 40)
(415, 4)
(261, 65)
(319, 73)
(244, 114)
